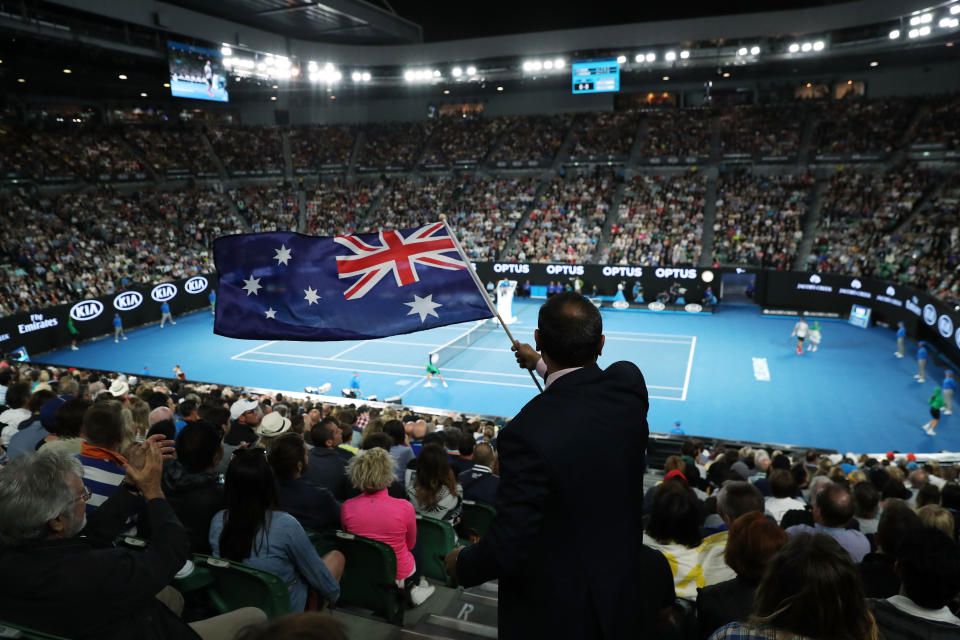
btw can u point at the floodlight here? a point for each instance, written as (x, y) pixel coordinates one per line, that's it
(914, 21)
(926, 18)
(528, 65)
(548, 64)
(742, 51)
(924, 31)
(271, 97)
(436, 73)
(913, 33)
(806, 46)
(456, 72)
(754, 50)
(670, 56)
(356, 76)
(666, 78)
(471, 71)
(793, 48)
(409, 75)
(895, 34)
(651, 57)
(366, 76)
(68, 71)
(818, 45)
(639, 57)
(225, 50)
(684, 55)
(312, 66)
(621, 59)
(122, 77)
(294, 71)
(558, 63)
(949, 23)
(143, 94)
(955, 9)
(537, 65)
(261, 67)
(499, 88)
(874, 64)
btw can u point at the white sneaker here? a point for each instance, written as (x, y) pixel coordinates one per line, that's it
(73, 347)
(172, 322)
(117, 341)
(428, 384)
(947, 412)
(918, 379)
(445, 384)
(124, 337)
(916, 375)
(420, 593)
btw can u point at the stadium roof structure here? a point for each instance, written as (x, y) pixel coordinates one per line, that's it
(336, 21)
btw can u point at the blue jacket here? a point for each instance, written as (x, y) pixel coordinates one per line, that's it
(921, 353)
(117, 322)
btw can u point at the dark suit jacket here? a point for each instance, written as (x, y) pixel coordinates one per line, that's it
(328, 470)
(724, 602)
(565, 543)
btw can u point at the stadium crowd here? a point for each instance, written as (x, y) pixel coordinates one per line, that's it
(396, 145)
(676, 133)
(170, 151)
(530, 140)
(456, 140)
(772, 132)
(659, 222)
(863, 127)
(336, 206)
(567, 223)
(487, 212)
(745, 528)
(760, 217)
(604, 135)
(248, 149)
(313, 146)
(268, 208)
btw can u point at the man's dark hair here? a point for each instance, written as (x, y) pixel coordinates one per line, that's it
(157, 399)
(197, 446)
(928, 494)
(186, 407)
(374, 440)
(17, 394)
(950, 496)
(897, 519)
(321, 433)
(164, 427)
(348, 416)
(330, 421)
(394, 429)
(451, 438)
(467, 444)
(217, 415)
(929, 564)
(894, 489)
(5, 376)
(38, 399)
(68, 420)
(780, 461)
(285, 453)
(782, 484)
(866, 499)
(347, 430)
(675, 516)
(102, 426)
(835, 505)
(811, 456)
(738, 498)
(434, 437)
(688, 448)
(570, 330)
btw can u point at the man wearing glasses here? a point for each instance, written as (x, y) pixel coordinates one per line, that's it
(79, 586)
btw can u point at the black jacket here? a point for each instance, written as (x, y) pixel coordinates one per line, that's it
(71, 588)
(564, 545)
(328, 470)
(718, 604)
(479, 484)
(879, 578)
(897, 625)
(195, 498)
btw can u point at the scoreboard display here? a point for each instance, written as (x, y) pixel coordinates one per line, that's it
(596, 76)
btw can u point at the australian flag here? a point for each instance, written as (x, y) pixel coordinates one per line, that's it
(288, 286)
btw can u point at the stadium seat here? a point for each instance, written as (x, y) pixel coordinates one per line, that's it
(477, 517)
(234, 585)
(8, 630)
(435, 539)
(370, 573)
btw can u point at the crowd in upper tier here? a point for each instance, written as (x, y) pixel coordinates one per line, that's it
(878, 219)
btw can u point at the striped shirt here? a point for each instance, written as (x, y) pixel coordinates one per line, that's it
(102, 473)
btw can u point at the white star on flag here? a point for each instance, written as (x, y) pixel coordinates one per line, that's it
(252, 285)
(311, 296)
(271, 314)
(283, 255)
(424, 306)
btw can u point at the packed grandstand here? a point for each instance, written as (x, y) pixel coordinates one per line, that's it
(279, 507)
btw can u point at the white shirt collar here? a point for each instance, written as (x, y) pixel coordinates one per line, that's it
(553, 377)
(905, 604)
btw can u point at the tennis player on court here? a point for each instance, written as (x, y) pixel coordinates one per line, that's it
(801, 329)
(433, 371)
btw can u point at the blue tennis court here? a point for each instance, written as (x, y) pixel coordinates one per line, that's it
(734, 374)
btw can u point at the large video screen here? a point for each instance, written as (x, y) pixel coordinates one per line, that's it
(196, 72)
(596, 76)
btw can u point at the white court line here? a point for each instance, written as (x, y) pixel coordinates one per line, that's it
(416, 385)
(347, 350)
(619, 339)
(417, 366)
(260, 346)
(659, 335)
(686, 379)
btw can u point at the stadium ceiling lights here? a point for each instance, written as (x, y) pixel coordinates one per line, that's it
(360, 76)
(621, 59)
(806, 47)
(895, 34)
(955, 9)
(328, 74)
(122, 77)
(924, 18)
(471, 71)
(535, 66)
(421, 75)
(226, 51)
(948, 23)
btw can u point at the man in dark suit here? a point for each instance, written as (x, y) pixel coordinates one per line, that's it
(566, 549)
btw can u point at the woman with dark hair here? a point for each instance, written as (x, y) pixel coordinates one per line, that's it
(810, 589)
(674, 531)
(432, 487)
(251, 530)
(752, 542)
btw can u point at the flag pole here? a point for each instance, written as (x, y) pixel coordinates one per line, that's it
(476, 281)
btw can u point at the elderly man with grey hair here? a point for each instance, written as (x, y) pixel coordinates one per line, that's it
(79, 586)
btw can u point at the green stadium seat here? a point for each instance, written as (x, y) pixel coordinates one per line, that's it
(370, 573)
(477, 517)
(435, 540)
(8, 630)
(234, 585)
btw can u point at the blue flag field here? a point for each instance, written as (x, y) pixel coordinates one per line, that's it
(288, 286)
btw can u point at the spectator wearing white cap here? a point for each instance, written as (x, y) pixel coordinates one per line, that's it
(245, 415)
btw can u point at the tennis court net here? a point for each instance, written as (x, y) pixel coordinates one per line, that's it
(447, 352)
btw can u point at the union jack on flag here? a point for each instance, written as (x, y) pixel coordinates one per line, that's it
(395, 253)
(287, 286)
